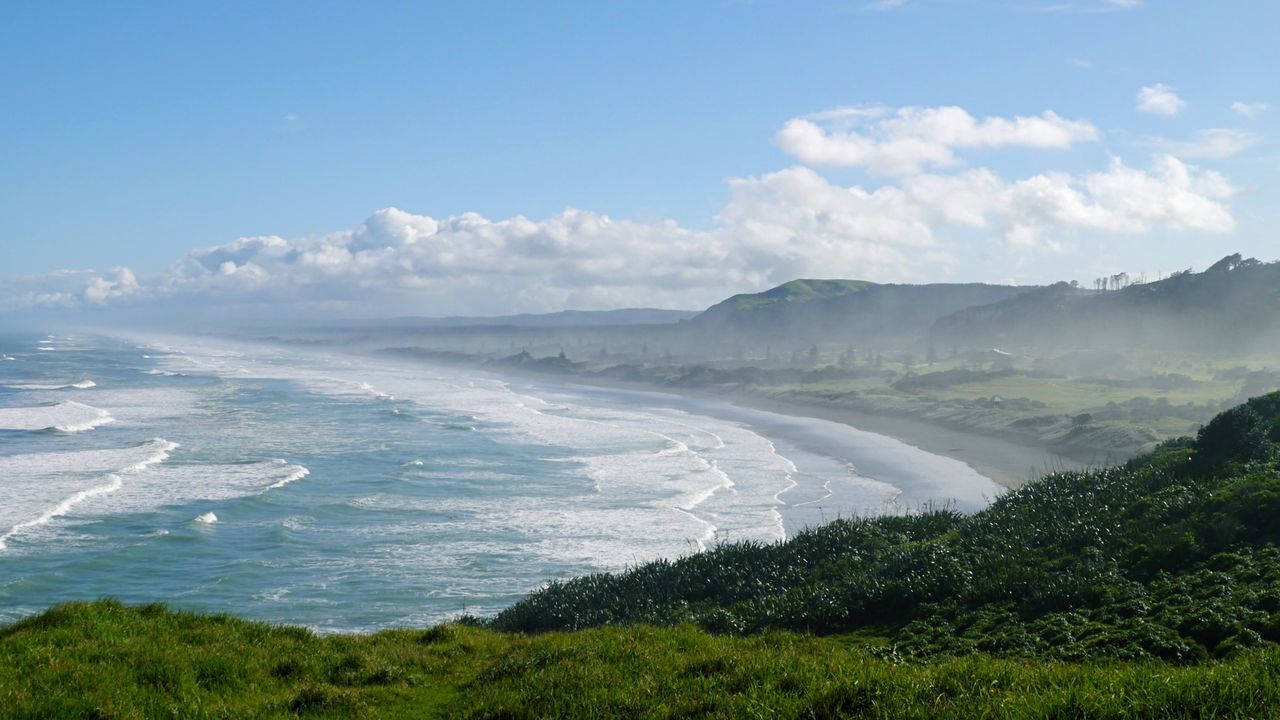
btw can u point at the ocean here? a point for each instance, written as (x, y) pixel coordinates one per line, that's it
(355, 493)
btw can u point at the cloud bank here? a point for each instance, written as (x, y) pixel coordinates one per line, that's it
(776, 226)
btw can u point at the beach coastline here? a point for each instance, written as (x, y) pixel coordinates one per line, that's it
(1009, 464)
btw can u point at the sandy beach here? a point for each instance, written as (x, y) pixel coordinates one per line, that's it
(917, 465)
(1009, 464)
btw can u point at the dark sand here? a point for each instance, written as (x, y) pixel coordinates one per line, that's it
(1010, 464)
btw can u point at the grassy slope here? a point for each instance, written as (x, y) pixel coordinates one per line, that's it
(103, 660)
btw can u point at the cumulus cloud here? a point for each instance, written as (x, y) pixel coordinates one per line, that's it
(904, 141)
(1120, 200)
(469, 263)
(1250, 110)
(1160, 99)
(796, 223)
(120, 283)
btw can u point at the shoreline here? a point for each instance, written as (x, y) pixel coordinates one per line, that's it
(1007, 463)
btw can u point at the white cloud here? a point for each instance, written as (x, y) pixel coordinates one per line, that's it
(775, 227)
(883, 5)
(795, 223)
(122, 283)
(54, 300)
(1250, 110)
(911, 138)
(964, 200)
(1119, 200)
(1160, 99)
(1212, 143)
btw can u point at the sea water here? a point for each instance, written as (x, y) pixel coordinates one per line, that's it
(352, 493)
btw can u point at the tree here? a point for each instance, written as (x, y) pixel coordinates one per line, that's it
(1238, 434)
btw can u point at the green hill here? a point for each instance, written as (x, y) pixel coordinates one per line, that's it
(794, 292)
(840, 311)
(1233, 304)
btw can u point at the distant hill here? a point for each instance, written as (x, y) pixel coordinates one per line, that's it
(793, 293)
(843, 310)
(1234, 303)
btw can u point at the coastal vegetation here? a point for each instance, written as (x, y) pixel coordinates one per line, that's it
(1172, 556)
(1146, 590)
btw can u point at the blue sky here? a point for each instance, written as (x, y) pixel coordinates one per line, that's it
(135, 133)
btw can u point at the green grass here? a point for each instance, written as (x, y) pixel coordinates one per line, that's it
(103, 660)
(1070, 395)
(796, 292)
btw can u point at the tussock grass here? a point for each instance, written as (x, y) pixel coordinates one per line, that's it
(104, 660)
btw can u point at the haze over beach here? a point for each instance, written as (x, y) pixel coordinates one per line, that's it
(824, 359)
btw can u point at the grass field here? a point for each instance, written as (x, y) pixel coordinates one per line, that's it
(103, 660)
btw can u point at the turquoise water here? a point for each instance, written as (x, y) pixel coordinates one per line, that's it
(356, 493)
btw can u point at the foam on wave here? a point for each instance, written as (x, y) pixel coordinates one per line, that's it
(78, 385)
(49, 470)
(68, 417)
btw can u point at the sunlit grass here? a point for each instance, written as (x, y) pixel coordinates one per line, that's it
(102, 660)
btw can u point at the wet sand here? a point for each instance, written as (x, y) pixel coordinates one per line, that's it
(1009, 464)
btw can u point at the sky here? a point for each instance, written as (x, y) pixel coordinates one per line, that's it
(484, 157)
